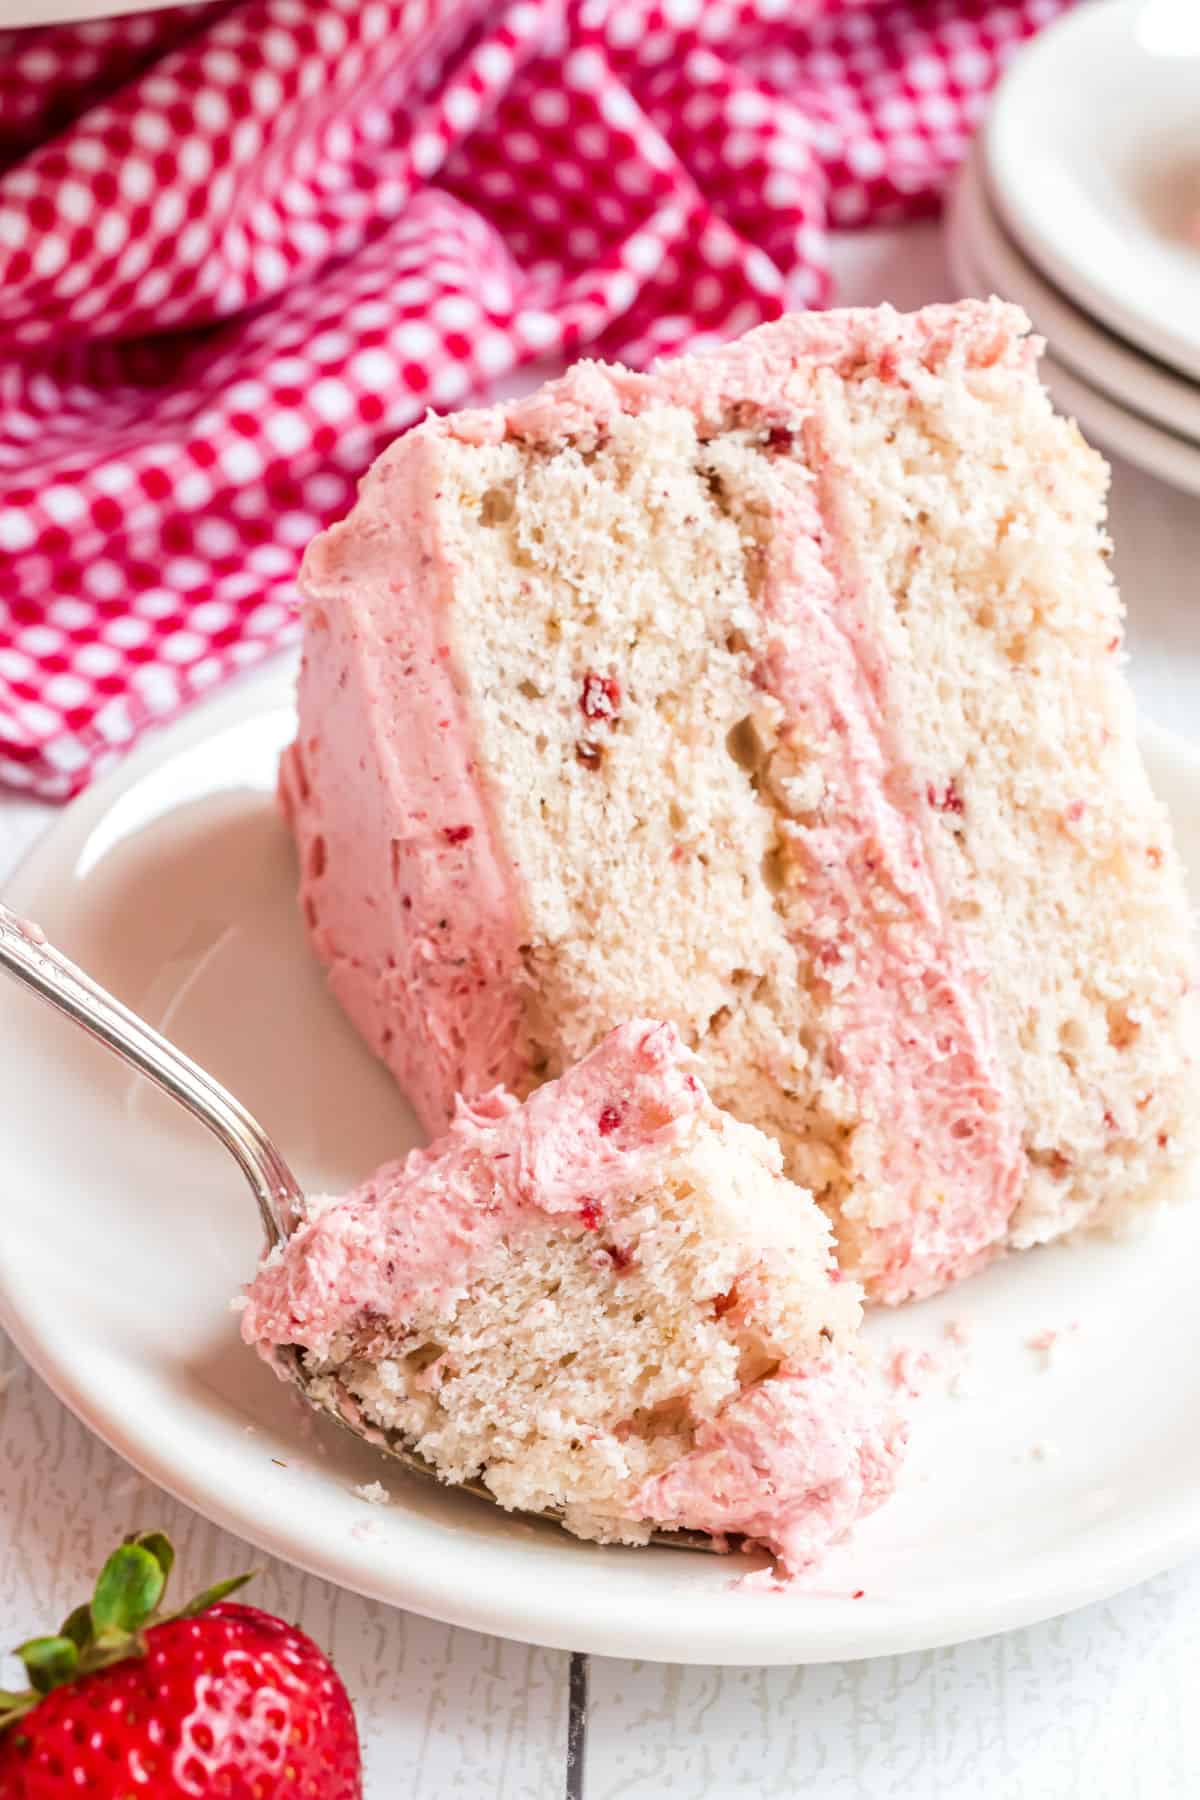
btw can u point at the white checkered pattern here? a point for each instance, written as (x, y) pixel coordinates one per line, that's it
(243, 245)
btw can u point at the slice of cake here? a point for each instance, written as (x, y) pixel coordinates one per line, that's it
(607, 1303)
(777, 693)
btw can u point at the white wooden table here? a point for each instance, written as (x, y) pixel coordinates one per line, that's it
(1102, 1702)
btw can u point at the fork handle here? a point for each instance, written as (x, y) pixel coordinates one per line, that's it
(26, 954)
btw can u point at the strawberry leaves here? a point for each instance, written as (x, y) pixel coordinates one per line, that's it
(49, 1661)
(129, 1589)
(111, 1626)
(220, 1591)
(78, 1626)
(161, 1549)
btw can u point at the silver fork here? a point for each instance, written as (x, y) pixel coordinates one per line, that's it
(26, 954)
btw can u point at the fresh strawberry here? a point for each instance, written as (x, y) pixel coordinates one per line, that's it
(216, 1699)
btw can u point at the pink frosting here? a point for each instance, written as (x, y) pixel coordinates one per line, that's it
(791, 1463)
(911, 1029)
(408, 899)
(769, 371)
(413, 902)
(412, 1235)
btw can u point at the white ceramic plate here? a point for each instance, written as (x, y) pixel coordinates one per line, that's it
(126, 1231)
(1119, 371)
(70, 12)
(1106, 421)
(1093, 158)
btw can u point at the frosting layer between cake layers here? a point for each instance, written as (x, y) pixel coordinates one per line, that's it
(939, 1147)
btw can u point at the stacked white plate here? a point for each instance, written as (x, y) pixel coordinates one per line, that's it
(1081, 201)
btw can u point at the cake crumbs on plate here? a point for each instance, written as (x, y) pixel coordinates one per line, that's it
(1043, 1450)
(1045, 1343)
(763, 1581)
(373, 1492)
(908, 1369)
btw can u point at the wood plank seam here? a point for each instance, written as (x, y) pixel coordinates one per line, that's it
(577, 1697)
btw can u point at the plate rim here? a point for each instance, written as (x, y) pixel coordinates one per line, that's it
(1017, 204)
(33, 15)
(768, 1633)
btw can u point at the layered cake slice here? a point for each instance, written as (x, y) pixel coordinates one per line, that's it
(777, 693)
(606, 1303)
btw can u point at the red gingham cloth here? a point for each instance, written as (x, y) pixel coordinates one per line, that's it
(244, 244)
